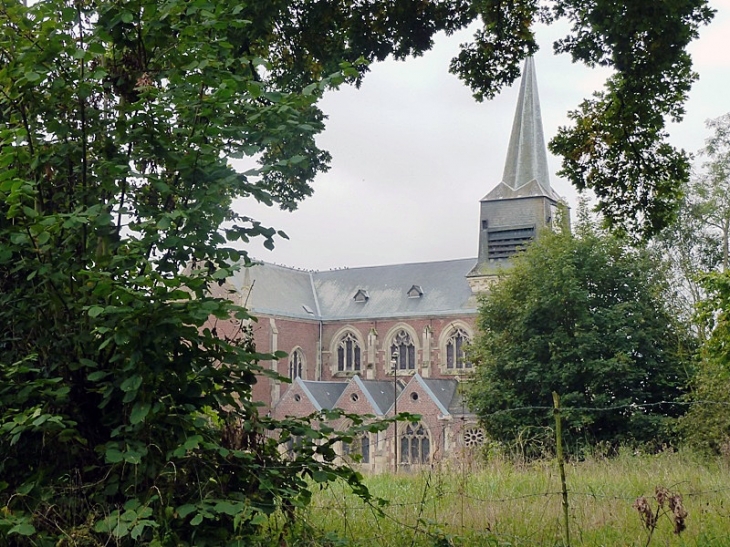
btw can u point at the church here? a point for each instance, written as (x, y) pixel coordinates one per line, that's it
(388, 339)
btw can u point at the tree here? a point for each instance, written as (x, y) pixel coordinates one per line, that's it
(696, 243)
(617, 145)
(584, 316)
(709, 193)
(706, 425)
(690, 250)
(123, 416)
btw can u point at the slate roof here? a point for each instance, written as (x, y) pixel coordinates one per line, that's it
(527, 155)
(380, 393)
(330, 295)
(443, 392)
(276, 290)
(459, 405)
(324, 395)
(446, 392)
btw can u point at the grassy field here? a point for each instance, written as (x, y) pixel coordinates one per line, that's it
(502, 503)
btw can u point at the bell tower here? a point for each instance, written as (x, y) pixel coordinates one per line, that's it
(523, 203)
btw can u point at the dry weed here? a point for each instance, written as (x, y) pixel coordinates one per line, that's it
(669, 504)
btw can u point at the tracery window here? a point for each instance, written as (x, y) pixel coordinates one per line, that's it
(455, 354)
(296, 359)
(359, 448)
(473, 437)
(415, 444)
(403, 351)
(293, 446)
(348, 353)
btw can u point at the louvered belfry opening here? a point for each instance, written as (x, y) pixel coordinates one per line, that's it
(505, 242)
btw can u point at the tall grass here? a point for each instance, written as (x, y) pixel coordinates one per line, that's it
(503, 503)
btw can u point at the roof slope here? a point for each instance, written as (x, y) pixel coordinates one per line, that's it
(324, 394)
(381, 393)
(442, 391)
(383, 291)
(444, 285)
(276, 290)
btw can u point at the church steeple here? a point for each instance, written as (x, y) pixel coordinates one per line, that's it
(523, 202)
(526, 168)
(527, 155)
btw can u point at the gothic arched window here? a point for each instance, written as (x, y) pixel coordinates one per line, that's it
(296, 360)
(455, 354)
(403, 351)
(359, 448)
(348, 353)
(415, 444)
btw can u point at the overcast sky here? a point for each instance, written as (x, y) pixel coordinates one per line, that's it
(413, 153)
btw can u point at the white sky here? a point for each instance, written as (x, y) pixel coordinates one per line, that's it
(413, 153)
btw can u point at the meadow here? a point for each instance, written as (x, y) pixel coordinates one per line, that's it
(503, 503)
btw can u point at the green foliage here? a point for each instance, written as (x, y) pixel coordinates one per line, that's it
(699, 245)
(124, 418)
(698, 242)
(584, 316)
(707, 425)
(709, 192)
(691, 250)
(617, 145)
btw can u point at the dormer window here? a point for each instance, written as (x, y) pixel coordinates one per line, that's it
(415, 292)
(361, 296)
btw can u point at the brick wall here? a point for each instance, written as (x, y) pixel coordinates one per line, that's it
(284, 334)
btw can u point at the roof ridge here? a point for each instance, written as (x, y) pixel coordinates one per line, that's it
(314, 295)
(431, 394)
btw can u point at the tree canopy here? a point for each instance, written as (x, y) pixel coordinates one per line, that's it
(709, 191)
(122, 415)
(699, 244)
(617, 144)
(707, 424)
(584, 316)
(124, 418)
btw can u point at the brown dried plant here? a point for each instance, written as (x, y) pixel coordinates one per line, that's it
(669, 504)
(679, 513)
(645, 512)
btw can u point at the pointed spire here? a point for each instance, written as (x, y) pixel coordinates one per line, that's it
(527, 155)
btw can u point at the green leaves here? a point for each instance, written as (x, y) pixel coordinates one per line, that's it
(117, 122)
(95, 311)
(113, 454)
(131, 522)
(587, 317)
(617, 148)
(617, 145)
(114, 185)
(139, 412)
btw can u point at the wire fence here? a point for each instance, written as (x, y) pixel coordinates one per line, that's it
(440, 507)
(476, 501)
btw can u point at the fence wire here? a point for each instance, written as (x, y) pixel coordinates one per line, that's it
(466, 503)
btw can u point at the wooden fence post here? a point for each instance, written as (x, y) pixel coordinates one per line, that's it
(561, 464)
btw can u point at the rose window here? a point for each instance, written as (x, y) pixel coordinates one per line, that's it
(473, 437)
